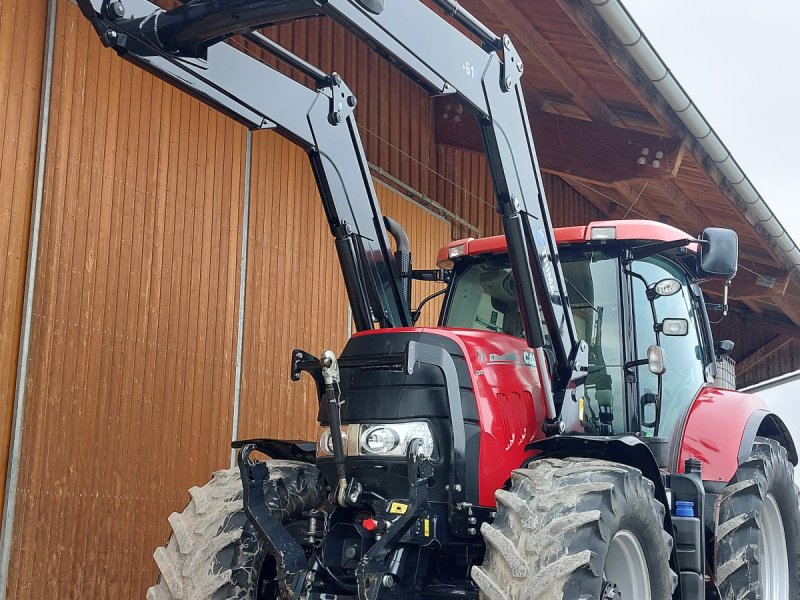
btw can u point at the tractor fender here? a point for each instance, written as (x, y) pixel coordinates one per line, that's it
(766, 424)
(720, 429)
(628, 450)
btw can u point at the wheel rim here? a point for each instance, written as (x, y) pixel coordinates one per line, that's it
(775, 574)
(626, 566)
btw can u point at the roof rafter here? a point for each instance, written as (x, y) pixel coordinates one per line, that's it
(526, 35)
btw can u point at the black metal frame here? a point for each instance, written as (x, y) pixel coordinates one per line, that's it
(428, 48)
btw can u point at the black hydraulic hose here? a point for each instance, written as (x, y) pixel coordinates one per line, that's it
(207, 21)
(347, 587)
(335, 420)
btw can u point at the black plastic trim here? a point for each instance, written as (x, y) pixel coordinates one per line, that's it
(763, 423)
(299, 450)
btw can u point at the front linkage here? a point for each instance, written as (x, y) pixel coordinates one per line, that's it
(297, 577)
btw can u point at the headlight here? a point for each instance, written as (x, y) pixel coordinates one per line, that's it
(379, 440)
(394, 439)
(391, 439)
(325, 445)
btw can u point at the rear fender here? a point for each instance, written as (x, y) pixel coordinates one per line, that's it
(765, 424)
(721, 428)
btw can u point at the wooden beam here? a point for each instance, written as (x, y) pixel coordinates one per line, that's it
(763, 353)
(690, 213)
(678, 161)
(752, 305)
(570, 147)
(532, 40)
(597, 33)
(790, 307)
(637, 204)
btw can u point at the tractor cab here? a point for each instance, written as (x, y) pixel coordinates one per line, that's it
(635, 299)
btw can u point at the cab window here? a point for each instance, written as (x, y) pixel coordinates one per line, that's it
(483, 297)
(685, 368)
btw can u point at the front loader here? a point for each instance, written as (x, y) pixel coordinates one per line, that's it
(527, 447)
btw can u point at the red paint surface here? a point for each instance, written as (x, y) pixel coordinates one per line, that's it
(509, 398)
(714, 431)
(633, 229)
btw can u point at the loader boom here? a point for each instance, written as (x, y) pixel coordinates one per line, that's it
(182, 45)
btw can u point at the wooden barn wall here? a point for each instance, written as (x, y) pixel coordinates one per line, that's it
(134, 332)
(134, 337)
(295, 293)
(21, 59)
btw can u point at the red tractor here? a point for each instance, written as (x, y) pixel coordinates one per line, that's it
(558, 435)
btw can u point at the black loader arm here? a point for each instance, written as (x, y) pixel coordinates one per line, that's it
(485, 76)
(320, 121)
(446, 61)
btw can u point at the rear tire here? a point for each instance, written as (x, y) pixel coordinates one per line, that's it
(214, 552)
(560, 522)
(758, 508)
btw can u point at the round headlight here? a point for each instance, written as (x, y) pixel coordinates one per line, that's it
(379, 440)
(326, 442)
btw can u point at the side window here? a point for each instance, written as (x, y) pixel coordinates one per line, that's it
(484, 298)
(684, 374)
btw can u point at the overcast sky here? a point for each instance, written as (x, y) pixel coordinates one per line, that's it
(739, 61)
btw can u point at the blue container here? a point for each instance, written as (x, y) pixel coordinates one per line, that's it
(684, 509)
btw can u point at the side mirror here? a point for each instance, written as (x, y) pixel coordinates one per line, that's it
(719, 253)
(650, 409)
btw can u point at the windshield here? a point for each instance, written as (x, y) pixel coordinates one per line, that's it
(483, 297)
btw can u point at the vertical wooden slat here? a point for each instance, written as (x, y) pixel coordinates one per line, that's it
(21, 62)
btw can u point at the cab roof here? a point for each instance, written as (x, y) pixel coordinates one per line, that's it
(627, 230)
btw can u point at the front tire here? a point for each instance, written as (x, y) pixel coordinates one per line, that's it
(577, 529)
(214, 552)
(757, 541)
